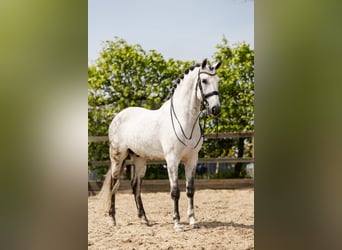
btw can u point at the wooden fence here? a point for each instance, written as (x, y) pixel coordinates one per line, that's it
(163, 185)
(200, 160)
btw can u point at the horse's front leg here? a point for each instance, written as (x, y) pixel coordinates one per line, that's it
(190, 172)
(172, 168)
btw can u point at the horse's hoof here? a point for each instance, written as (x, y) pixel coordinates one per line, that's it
(146, 222)
(179, 228)
(113, 221)
(194, 226)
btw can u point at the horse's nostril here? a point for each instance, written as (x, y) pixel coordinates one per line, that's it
(216, 110)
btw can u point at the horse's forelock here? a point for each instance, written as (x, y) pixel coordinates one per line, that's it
(210, 68)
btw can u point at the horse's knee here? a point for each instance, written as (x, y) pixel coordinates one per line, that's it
(190, 188)
(175, 193)
(190, 191)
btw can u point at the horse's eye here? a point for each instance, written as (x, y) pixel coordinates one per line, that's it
(204, 81)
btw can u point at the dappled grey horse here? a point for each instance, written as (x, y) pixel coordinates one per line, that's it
(170, 133)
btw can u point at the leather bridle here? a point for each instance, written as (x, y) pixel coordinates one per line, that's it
(199, 85)
(204, 102)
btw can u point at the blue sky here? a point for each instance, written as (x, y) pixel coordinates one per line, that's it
(179, 29)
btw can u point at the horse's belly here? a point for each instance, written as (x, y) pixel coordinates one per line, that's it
(147, 148)
(146, 143)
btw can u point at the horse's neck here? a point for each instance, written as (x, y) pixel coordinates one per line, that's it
(185, 102)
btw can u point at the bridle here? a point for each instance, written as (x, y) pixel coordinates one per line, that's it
(205, 104)
(199, 85)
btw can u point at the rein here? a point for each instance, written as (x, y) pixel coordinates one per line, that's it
(205, 104)
(172, 112)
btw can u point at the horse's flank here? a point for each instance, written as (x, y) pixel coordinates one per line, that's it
(139, 130)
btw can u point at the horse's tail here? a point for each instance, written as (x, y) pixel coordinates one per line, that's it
(105, 193)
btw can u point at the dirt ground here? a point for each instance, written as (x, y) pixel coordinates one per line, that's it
(225, 217)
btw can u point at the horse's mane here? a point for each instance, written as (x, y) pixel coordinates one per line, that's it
(181, 77)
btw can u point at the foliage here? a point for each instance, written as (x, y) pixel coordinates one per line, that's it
(126, 75)
(236, 95)
(236, 87)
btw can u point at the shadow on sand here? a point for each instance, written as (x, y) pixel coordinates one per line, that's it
(215, 224)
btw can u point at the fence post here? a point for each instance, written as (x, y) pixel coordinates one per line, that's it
(253, 146)
(238, 166)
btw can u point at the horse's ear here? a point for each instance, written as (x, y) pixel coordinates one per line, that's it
(217, 65)
(205, 61)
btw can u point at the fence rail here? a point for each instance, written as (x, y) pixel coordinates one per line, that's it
(206, 136)
(164, 185)
(200, 160)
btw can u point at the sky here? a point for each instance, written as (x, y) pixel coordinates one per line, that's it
(179, 29)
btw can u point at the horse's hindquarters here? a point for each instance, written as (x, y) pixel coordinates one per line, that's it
(138, 130)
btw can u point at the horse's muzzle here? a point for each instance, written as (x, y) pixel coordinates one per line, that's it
(216, 110)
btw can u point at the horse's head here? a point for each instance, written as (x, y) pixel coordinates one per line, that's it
(207, 84)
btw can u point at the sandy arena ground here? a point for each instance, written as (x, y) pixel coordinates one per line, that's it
(225, 217)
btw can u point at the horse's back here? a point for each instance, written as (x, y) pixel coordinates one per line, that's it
(133, 117)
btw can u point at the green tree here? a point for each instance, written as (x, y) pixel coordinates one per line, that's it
(236, 96)
(126, 75)
(236, 86)
(123, 76)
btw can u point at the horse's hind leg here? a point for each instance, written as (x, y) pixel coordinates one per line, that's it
(139, 173)
(116, 158)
